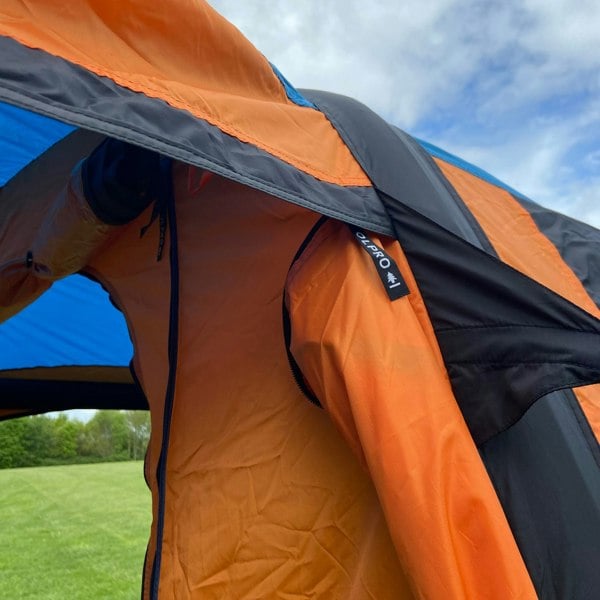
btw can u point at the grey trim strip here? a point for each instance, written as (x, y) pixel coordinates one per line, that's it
(427, 162)
(46, 84)
(576, 242)
(399, 167)
(549, 484)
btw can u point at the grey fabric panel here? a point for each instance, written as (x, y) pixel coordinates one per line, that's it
(548, 480)
(577, 243)
(51, 86)
(467, 221)
(48, 173)
(398, 166)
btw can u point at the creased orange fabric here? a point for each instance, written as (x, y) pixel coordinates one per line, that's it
(264, 498)
(516, 238)
(59, 236)
(188, 55)
(377, 369)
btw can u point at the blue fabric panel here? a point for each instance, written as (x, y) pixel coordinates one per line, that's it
(73, 323)
(292, 93)
(465, 166)
(24, 136)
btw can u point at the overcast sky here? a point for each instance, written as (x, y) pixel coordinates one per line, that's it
(512, 86)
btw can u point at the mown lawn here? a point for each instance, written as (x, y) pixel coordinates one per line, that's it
(73, 532)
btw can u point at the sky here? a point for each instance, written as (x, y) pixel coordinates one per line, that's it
(511, 86)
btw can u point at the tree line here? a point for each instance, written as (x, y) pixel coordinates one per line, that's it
(110, 435)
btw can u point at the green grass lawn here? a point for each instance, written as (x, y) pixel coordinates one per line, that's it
(73, 532)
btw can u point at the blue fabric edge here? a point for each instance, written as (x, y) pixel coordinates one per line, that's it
(468, 167)
(292, 93)
(36, 133)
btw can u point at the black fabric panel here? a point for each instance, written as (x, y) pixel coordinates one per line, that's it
(50, 395)
(506, 340)
(549, 484)
(54, 87)
(576, 242)
(398, 166)
(120, 180)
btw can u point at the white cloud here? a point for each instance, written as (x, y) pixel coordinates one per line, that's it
(510, 85)
(566, 30)
(584, 204)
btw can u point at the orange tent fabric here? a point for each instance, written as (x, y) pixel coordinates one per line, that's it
(451, 412)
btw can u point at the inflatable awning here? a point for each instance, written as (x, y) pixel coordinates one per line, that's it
(457, 455)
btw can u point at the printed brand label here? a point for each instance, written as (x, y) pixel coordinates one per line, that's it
(388, 270)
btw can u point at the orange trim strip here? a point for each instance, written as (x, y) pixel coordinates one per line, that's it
(516, 238)
(71, 373)
(6, 413)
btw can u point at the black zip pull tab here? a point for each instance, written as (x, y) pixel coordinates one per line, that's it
(153, 216)
(159, 211)
(162, 232)
(160, 208)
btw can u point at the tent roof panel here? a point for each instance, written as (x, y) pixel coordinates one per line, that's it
(73, 323)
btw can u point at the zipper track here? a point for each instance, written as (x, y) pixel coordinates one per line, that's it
(173, 347)
(287, 325)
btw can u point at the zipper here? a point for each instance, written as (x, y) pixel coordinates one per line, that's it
(173, 344)
(287, 325)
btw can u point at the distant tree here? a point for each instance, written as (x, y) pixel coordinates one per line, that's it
(65, 437)
(106, 436)
(138, 422)
(40, 440)
(12, 453)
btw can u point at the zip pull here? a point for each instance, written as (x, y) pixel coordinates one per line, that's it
(159, 211)
(162, 233)
(153, 217)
